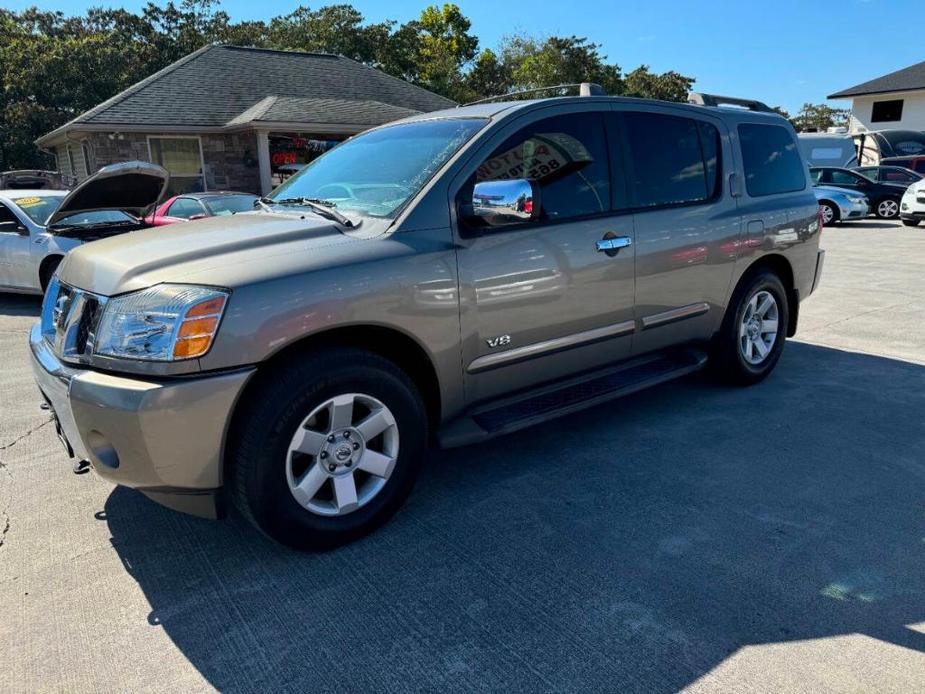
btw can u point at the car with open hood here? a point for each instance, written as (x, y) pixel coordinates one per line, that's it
(38, 227)
(436, 281)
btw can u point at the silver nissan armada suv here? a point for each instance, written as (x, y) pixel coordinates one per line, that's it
(436, 281)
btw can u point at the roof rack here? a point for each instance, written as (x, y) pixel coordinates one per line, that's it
(703, 99)
(584, 89)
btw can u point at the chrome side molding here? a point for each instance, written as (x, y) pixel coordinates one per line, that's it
(675, 314)
(537, 349)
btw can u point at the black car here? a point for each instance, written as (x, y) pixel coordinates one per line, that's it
(889, 174)
(884, 197)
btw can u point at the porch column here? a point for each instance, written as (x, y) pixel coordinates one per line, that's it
(263, 160)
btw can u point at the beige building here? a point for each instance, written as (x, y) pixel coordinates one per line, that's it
(893, 101)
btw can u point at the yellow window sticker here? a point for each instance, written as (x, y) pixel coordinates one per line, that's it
(27, 202)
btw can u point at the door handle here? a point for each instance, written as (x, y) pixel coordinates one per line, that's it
(611, 245)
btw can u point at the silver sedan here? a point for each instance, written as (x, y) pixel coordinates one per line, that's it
(841, 204)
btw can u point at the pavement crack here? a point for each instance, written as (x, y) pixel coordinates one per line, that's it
(19, 438)
(5, 513)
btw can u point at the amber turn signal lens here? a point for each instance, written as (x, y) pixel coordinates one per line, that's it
(209, 307)
(198, 327)
(192, 347)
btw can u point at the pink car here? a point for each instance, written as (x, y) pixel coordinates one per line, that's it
(189, 206)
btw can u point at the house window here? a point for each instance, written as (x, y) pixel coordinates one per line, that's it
(887, 111)
(182, 157)
(85, 148)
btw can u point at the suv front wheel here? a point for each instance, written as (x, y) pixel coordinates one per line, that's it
(330, 448)
(752, 336)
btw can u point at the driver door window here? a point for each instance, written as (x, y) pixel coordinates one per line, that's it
(845, 178)
(8, 221)
(566, 156)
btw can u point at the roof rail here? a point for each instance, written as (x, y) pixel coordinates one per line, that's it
(584, 89)
(703, 99)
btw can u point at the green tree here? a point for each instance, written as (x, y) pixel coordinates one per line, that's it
(535, 63)
(667, 86)
(337, 29)
(819, 117)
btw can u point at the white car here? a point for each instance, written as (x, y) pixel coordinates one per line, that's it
(37, 227)
(912, 206)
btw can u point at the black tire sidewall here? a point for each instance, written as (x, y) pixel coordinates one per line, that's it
(266, 491)
(769, 282)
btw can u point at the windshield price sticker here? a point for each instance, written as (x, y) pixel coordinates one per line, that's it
(27, 202)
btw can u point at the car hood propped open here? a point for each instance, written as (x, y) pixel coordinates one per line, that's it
(133, 187)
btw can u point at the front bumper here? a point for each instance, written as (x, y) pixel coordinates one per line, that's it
(164, 437)
(856, 210)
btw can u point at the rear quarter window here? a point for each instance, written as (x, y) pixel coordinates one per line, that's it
(772, 160)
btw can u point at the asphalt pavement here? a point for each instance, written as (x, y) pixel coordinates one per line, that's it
(690, 537)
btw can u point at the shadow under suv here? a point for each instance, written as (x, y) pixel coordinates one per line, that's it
(436, 281)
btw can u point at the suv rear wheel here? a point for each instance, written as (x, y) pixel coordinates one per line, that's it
(910, 222)
(330, 449)
(752, 337)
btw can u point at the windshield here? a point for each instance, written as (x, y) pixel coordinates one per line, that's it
(376, 173)
(229, 204)
(95, 217)
(38, 207)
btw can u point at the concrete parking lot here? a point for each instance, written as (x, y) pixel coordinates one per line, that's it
(714, 540)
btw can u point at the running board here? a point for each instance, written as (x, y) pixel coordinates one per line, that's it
(535, 406)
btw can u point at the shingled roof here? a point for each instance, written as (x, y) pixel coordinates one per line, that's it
(908, 79)
(219, 86)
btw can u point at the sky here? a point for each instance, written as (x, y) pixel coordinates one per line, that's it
(782, 52)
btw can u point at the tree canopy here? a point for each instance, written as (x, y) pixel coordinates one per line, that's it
(53, 67)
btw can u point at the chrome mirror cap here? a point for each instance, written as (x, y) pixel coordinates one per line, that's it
(498, 203)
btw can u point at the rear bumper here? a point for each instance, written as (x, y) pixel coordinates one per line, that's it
(820, 261)
(164, 438)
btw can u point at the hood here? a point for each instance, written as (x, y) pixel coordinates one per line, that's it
(836, 189)
(221, 251)
(133, 187)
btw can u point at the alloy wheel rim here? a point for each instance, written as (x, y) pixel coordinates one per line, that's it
(342, 454)
(828, 214)
(888, 208)
(758, 327)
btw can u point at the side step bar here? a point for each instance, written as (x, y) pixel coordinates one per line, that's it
(535, 406)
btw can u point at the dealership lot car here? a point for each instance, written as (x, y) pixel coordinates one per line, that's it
(883, 197)
(38, 227)
(191, 206)
(446, 278)
(912, 207)
(840, 205)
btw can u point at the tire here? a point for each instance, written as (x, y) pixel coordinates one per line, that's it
(887, 208)
(267, 474)
(830, 213)
(730, 360)
(47, 270)
(910, 222)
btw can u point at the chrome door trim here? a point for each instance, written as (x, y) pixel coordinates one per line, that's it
(675, 314)
(537, 349)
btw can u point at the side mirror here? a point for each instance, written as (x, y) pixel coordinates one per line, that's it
(13, 228)
(501, 203)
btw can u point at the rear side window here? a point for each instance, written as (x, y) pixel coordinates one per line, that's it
(674, 160)
(772, 160)
(184, 208)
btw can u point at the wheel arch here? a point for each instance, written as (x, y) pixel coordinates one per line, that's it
(834, 205)
(389, 343)
(780, 266)
(48, 261)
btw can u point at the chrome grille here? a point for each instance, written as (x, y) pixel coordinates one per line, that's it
(69, 320)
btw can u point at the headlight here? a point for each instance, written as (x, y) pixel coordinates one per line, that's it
(856, 199)
(167, 322)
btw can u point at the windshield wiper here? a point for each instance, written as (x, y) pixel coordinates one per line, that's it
(325, 208)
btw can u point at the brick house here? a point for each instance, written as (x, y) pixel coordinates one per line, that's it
(231, 118)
